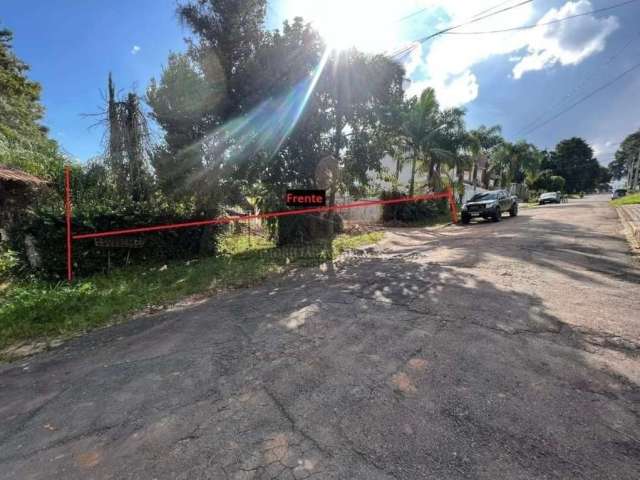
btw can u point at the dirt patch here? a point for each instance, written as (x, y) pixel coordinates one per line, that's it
(403, 383)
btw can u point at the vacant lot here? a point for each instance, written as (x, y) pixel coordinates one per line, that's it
(493, 351)
(35, 314)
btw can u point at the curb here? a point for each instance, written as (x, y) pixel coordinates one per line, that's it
(631, 220)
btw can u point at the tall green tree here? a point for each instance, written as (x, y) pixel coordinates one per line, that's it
(515, 163)
(575, 162)
(180, 103)
(481, 142)
(450, 136)
(432, 135)
(363, 94)
(280, 78)
(227, 35)
(618, 168)
(627, 160)
(23, 140)
(604, 177)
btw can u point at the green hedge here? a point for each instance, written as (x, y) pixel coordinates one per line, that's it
(305, 229)
(49, 233)
(411, 212)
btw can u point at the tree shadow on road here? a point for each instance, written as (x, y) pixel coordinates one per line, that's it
(380, 368)
(561, 247)
(422, 370)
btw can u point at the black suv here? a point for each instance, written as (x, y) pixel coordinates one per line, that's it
(490, 205)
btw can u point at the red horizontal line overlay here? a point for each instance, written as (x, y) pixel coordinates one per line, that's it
(244, 218)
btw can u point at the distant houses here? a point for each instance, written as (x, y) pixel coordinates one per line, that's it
(390, 170)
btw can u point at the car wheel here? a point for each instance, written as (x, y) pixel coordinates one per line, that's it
(466, 219)
(498, 215)
(514, 210)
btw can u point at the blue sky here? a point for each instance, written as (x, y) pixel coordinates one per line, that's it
(508, 79)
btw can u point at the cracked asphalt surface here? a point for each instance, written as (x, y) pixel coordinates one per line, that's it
(490, 351)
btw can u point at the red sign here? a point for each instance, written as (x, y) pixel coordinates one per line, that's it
(306, 198)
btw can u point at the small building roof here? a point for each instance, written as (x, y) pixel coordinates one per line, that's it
(14, 175)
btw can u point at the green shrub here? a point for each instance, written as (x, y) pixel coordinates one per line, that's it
(48, 230)
(304, 229)
(8, 261)
(411, 212)
(549, 183)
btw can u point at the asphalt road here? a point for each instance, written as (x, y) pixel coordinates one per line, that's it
(489, 351)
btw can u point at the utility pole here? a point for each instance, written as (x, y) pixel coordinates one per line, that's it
(636, 172)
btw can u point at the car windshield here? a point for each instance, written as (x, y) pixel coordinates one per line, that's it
(479, 197)
(549, 194)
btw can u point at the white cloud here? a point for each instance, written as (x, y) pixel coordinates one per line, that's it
(135, 50)
(450, 59)
(413, 60)
(452, 92)
(447, 62)
(566, 43)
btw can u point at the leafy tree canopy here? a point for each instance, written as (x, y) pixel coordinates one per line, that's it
(515, 162)
(626, 155)
(23, 140)
(574, 161)
(618, 168)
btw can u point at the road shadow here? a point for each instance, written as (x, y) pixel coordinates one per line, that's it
(377, 369)
(550, 244)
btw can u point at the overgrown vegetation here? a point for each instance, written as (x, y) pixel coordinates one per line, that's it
(30, 309)
(23, 140)
(47, 228)
(244, 114)
(422, 212)
(627, 200)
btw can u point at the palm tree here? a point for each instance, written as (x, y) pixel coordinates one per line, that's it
(433, 136)
(481, 142)
(418, 123)
(515, 162)
(449, 148)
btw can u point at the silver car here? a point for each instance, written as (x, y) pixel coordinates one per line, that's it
(549, 197)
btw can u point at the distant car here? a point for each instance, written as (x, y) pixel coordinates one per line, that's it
(550, 197)
(619, 193)
(490, 205)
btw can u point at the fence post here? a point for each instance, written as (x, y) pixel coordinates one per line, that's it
(67, 210)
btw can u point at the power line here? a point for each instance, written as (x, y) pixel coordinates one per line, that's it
(411, 15)
(550, 22)
(476, 19)
(422, 10)
(579, 86)
(583, 99)
(491, 8)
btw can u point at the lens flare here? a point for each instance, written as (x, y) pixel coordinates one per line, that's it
(265, 128)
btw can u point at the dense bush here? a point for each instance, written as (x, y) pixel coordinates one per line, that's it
(549, 183)
(48, 231)
(302, 229)
(411, 212)
(7, 262)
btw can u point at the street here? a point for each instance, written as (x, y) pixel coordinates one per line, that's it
(503, 350)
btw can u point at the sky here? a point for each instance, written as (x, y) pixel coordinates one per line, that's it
(515, 79)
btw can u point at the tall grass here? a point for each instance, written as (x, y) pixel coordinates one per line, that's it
(31, 309)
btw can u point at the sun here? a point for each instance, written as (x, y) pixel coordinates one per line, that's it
(364, 24)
